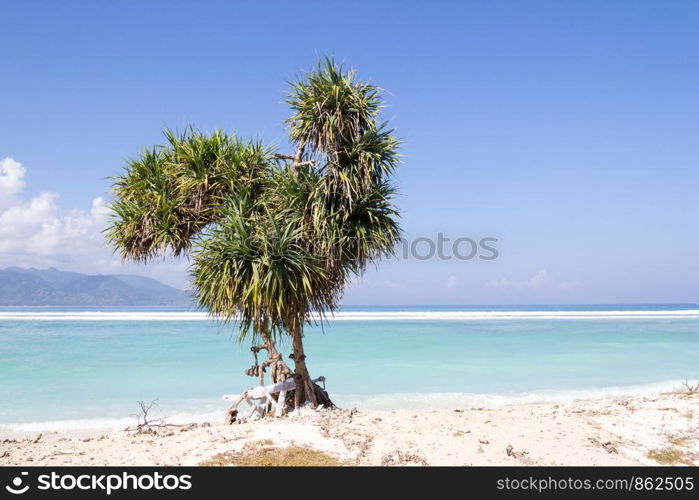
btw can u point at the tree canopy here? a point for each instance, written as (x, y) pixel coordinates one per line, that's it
(272, 237)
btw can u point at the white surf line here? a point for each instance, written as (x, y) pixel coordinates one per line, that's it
(104, 316)
(414, 400)
(362, 315)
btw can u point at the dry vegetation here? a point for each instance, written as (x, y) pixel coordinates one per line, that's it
(264, 454)
(678, 451)
(666, 456)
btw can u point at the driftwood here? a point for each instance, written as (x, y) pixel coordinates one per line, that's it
(690, 388)
(147, 424)
(262, 400)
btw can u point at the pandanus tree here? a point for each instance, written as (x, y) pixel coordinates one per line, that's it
(272, 238)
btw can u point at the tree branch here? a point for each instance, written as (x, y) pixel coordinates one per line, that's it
(295, 159)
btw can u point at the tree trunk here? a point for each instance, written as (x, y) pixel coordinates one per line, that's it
(306, 390)
(303, 391)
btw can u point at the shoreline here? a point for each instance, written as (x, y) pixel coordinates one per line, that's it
(402, 401)
(649, 430)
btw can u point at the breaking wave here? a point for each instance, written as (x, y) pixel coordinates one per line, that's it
(366, 315)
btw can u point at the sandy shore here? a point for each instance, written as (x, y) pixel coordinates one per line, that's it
(636, 431)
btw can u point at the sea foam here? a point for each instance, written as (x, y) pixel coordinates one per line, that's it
(451, 400)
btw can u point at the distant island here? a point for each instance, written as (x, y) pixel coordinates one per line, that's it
(52, 287)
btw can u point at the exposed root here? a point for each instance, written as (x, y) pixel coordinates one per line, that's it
(305, 390)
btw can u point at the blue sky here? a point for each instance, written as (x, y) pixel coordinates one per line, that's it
(567, 130)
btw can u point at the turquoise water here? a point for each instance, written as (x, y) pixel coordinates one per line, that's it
(71, 369)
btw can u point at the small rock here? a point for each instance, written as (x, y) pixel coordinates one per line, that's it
(509, 450)
(483, 441)
(36, 438)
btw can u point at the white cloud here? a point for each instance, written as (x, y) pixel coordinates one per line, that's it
(39, 232)
(362, 282)
(541, 281)
(11, 181)
(40, 227)
(452, 281)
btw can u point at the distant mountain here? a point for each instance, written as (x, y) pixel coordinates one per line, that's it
(51, 287)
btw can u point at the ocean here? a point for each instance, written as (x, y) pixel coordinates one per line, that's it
(63, 369)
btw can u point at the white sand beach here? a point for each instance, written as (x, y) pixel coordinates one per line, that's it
(634, 431)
